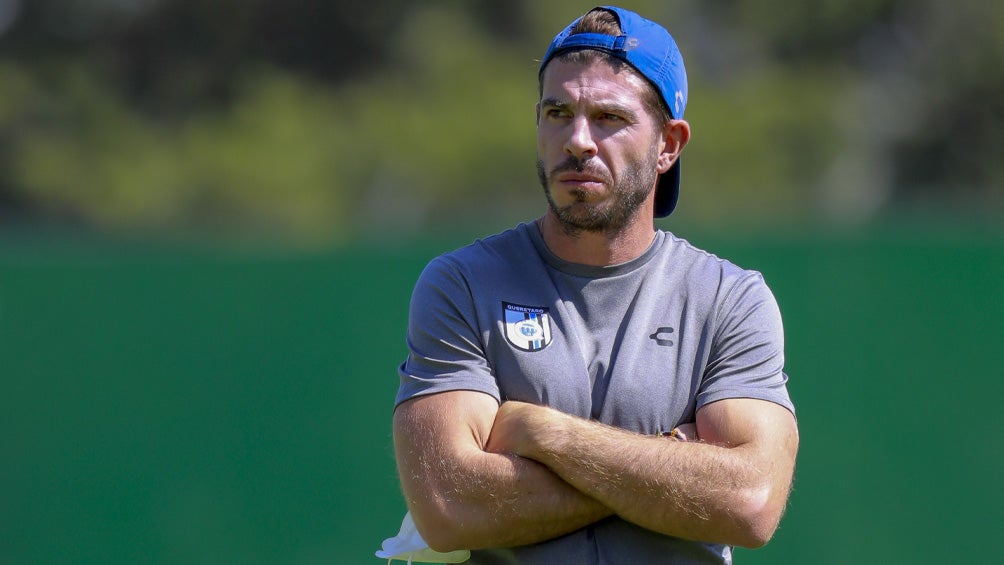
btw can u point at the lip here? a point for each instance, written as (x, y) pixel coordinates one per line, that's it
(578, 178)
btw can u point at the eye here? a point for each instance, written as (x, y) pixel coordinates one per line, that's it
(555, 113)
(610, 117)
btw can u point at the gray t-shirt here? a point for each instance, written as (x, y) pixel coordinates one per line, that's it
(641, 345)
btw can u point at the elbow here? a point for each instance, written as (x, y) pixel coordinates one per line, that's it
(758, 516)
(440, 531)
(443, 544)
(445, 541)
(754, 535)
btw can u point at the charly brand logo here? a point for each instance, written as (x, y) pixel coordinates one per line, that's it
(662, 335)
(527, 328)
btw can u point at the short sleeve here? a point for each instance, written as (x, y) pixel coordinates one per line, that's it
(445, 345)
(747, 354)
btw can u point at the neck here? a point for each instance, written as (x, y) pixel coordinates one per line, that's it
(596, 248)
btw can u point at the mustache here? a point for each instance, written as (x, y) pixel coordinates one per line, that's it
(576, 165)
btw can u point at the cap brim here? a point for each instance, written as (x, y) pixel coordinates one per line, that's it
(667, 192)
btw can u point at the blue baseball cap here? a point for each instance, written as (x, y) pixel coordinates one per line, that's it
(650, 50)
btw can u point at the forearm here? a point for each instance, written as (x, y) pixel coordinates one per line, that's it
(492, 500)
(690, 490)
(469, 498)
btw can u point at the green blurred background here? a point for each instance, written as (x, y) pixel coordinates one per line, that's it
(212, 214)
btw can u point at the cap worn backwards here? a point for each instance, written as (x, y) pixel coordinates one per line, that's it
(651, 50)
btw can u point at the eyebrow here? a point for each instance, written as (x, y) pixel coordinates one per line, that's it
(553, 102)
(611, 107)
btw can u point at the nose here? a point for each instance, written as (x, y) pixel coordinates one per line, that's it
(580, 142)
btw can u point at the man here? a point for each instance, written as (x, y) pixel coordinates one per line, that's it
(586, 388)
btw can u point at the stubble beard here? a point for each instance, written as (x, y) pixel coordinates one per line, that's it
(614, 215)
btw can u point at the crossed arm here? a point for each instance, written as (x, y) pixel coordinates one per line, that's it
(476, 474)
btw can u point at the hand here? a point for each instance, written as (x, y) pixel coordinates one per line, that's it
(514, 427)
(685, 432)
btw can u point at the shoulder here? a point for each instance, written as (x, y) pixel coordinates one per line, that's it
(726, 292)
(485, 257)
(498, 247)
(485, 263)
(701, 268)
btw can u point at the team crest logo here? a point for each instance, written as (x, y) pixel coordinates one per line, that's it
(527, 327)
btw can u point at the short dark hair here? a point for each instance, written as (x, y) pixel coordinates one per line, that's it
(601, 20)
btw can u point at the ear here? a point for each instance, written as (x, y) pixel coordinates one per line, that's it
(675, 135)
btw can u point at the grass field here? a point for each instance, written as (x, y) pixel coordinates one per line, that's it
(166, 406)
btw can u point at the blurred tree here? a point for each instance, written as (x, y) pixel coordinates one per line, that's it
(950, 145)
(316, 120)
(164, 53)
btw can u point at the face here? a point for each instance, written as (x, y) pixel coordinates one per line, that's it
(598, 148)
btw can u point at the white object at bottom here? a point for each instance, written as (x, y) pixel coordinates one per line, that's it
(409, 546)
